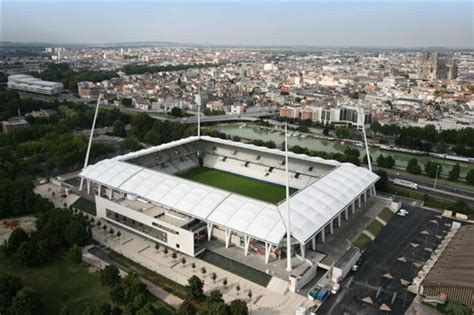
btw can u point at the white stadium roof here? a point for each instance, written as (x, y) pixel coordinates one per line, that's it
(311, 208)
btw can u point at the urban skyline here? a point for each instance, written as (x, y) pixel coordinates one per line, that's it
(339, 24)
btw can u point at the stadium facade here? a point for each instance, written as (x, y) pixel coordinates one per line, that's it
(143, 192)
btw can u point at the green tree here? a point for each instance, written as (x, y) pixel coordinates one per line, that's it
(194, 288)
(9, 286)
(17, 237)
(117, 294)
(110, 276)
(218, 308)
(454, 173)
(26, 302)
(380, 160)
(215, 296)
(389, 162)
(176, 112)
(127, 102)
(470, 176)
(238, 307)
(130, 144)
(432, 169)
(382, 184)
(119, 129)
(413, 166)
(455, 308)
(186, 308)
(75, 254)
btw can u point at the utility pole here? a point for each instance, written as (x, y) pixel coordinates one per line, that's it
(288, 233)
(90, 142)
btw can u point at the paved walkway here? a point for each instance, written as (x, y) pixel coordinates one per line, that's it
(142, 251)
(157, 291)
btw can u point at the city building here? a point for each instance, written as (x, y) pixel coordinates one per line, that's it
(13, 124)
(28, 83)
(340, 115)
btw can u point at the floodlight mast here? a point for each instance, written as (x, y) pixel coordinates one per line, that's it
(90, 142)
(199, 114)
(365, 139)
(288, 234)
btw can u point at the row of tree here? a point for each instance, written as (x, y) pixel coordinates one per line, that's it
(214, 301)
(128, 295)
(428, 133)
(141, 69)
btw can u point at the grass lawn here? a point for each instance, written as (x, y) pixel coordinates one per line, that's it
(375, 227)
(242, 185)
(60, 283)
(237, 268)
(362, 242)
(386, 214)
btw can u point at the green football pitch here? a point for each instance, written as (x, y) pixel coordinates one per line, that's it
(242, 185)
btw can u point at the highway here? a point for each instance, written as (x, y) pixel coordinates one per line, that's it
(442, 185)
(226, 118)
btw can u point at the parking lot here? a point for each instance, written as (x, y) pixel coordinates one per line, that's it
(389, 265)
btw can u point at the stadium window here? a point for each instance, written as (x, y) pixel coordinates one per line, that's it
(177, 245)
(310, 168)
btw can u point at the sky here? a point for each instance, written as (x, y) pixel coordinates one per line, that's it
(320, 24)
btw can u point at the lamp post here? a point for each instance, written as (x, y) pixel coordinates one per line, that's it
(436, 177)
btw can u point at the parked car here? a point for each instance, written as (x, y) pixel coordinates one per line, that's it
(403, 212)
(335, 288)
(357, 265)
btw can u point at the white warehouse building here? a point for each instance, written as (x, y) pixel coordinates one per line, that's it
(28, 83)
(141, 192)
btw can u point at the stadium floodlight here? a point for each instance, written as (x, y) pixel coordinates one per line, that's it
(199, 113)
(288, 234)
(365, 139)
(90, 142)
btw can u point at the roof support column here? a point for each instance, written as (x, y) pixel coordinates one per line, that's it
(339, 220)
(365, 196)
(268, 248)
(228, 234)
(374, 192)
(210, 227)
(371, 193)
(331, 226)
(88, 187)
(303, 250)
(111, 193)
(353, 207)
(99, 188)
(359, 201)
(323, 234)
(313, 243)
(346, 213)
(246, 244)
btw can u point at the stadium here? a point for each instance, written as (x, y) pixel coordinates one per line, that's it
(186, 193)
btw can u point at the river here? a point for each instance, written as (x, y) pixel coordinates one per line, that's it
(254, 132)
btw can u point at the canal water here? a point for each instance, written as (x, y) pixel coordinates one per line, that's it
(254, 132)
